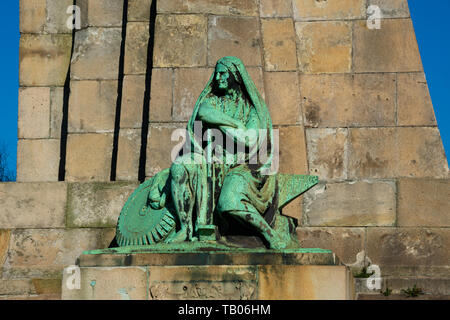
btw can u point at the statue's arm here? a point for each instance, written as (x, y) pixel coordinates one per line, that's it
(208, 114)
(248, 134)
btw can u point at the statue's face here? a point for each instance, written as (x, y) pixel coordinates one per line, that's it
(222, 77)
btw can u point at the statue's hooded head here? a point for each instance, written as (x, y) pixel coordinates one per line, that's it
(226, 75)
(229, 72)
(238, 76)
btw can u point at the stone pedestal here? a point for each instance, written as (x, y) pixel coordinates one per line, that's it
(208, 273)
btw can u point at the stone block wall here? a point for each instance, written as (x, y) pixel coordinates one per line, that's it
(45, 226)
(351, 104)
(45, 46)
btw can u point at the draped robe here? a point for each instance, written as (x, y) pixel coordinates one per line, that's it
(241, 186)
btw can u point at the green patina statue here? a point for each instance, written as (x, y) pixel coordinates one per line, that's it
(222, 186)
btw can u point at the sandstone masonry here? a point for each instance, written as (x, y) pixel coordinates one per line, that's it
(351, 105)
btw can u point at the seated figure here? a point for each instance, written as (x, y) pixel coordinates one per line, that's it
(208, 195)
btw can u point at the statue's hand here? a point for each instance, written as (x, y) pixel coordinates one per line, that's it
(157, 193)
(212, 116)
(162, 201)
(154, 198)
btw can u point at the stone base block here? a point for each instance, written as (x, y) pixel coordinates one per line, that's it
(148, 276)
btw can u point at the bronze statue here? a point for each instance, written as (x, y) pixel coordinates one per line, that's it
(208, 195)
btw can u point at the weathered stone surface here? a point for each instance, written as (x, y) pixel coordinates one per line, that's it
(292, 159)
(429, 286)
(202, 282)
(139, 10)
(324, 47)
(408, 246)
(44, 59)
(327, 153)
(203, 290)
(359, 203)
(224, 282)
(42, 253)
(57, 16)
(275, 8)
(109, 284)
(180, 41)
(104, 13)
(421, 153)
(218, 7)
(5, 236)
(343, 100)
(188, 84)
(92, 106)
(392, 8)
(136, 48)
(396, 152)
(84, 11)
(279, 44)
(206, 258)
(392, 48)
(32, 16)
(22, 203)
(47, 286)
(423, 202)
(234, 36)
(256, 74)
(292, 150)
(414, 101)
(37, 160)
(283, 97)
(15, 287)
(346, 243)
(97, 204)
(89, 157)
(31, 297)
(56, 111)
(133, 93)
(304, 283)
(416, 271)
(294, 209)
(34, 113)
(128, 155)
(96, 53)
(161, 95)
(373, 153)
(203, 273)
(160, 147)
(309, 10)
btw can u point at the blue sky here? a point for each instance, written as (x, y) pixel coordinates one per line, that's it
(430, 23)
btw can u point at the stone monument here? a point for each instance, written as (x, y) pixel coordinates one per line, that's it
(219, 205)
(204, 191)
(345, 88)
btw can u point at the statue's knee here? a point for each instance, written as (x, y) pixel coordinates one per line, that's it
(221, 206)
(228, 201)
(178, 173)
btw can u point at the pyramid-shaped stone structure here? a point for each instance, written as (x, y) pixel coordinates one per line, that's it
(98, 105)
